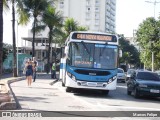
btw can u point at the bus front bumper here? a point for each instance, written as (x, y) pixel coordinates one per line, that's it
(90, 85)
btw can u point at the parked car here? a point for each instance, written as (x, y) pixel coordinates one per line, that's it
(121, 76)
(144, 83)
(130, 72)
(158, 72)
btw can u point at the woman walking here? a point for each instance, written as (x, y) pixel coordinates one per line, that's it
(29, 71)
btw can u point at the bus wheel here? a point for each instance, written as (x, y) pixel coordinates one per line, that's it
(63, 84)
(105, 92)
(68, 89)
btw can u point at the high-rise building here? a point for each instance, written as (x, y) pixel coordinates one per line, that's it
(97, 15)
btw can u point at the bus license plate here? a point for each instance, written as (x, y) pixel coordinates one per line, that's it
(92, 84)
(154, 91)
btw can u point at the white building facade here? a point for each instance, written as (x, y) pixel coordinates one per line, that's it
(97, 15)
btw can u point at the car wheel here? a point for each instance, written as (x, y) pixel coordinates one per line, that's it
(105, 92)
(68, 89)
(136, 94)
(128, 92)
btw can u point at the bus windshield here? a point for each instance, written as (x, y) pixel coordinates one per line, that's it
(91, 55)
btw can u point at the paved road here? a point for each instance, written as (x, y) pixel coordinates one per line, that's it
(46, 97)
(117, 100)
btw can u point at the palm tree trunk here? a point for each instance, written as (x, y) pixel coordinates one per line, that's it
(55, 53)
(49, 47)
(33, 47)
(14, 41)
(1, 36)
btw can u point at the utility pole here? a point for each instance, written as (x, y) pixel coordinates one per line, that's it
(154, 3)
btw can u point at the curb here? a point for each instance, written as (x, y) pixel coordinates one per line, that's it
(13, 104)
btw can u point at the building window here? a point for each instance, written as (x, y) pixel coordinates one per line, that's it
(88, 9)
(96, 22)
(96, 9)
(96, 16)
(88, 3)
(61, 5)
(88, 16)
(97, 2)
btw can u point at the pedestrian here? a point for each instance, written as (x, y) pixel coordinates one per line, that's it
(29, 71)
(53, 71)
(35, 65)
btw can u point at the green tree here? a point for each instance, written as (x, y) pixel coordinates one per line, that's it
(81, 28)
(32, 9)
(130, 54)
(70, 25)
(54, 21)
(148, 35)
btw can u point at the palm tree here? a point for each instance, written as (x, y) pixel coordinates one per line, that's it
(14, 40)
(29, 9)
(82, 28)
(1, 36)
(70, 25)
(53, 20)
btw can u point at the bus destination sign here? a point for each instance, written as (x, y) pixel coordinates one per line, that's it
(97, 37)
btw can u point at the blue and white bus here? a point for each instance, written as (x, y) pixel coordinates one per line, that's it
(90, 61)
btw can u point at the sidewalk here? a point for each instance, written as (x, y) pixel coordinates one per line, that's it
(6, 98)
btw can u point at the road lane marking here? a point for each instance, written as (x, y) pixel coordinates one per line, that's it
(122, 86)
(125, 107)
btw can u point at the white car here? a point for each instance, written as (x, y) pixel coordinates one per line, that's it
(121, 76)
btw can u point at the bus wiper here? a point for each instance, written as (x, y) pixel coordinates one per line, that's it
(85, 47)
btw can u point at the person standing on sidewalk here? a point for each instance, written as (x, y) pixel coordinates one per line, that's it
(53, 71)
(35, 65)
(29, 71)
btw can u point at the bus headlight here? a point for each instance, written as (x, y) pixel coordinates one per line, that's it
(112, 79)
(71, 76)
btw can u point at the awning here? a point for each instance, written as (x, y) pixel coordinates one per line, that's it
(37, 39)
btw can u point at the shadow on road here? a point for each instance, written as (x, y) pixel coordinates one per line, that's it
(119, 94)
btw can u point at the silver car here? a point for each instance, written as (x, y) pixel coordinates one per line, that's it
(121, 76)
(130, 72)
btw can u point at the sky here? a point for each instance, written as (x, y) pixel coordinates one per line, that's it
(129, 14)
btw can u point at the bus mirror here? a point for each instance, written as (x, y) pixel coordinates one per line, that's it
(120, 53)
(66, 50)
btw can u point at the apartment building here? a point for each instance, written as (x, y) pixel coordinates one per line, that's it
(97, 15)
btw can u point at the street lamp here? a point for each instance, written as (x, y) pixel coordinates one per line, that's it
(17, 49)
(155, 2)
